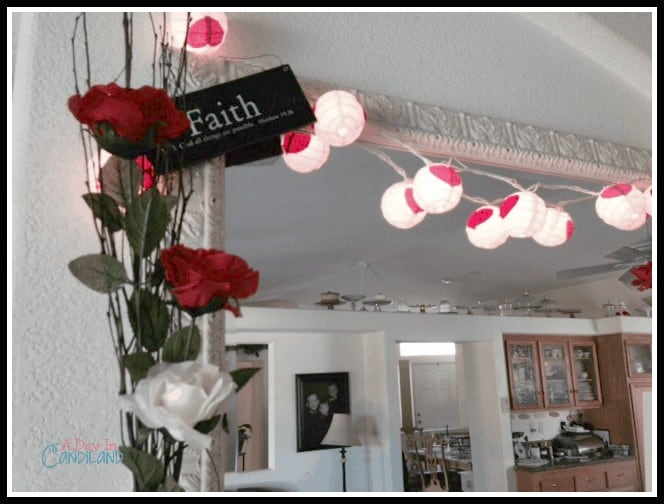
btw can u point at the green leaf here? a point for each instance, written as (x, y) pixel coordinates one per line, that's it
(224, 423)
(171, 201)
(138, 364)
(157, 275)
(207, 426)
(142, 436)
(170, 485)
(242, 376)
(153, 317)
(146, 222)
(121, 179)
(175, 348)
(105, 209)
(120, 146)
(100, 272)
(147, 469)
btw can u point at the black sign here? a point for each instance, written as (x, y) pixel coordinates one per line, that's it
(237, 114)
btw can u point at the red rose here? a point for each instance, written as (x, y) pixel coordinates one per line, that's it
(129, 122)
(201, 277)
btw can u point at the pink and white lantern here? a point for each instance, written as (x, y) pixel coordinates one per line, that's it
(340, 118)
(523, 213)
(622, 206)
(303, 152)
(207, 31)
(485, 228)
(557, 229)
(648, 196)
(437, 188)
(399, 207)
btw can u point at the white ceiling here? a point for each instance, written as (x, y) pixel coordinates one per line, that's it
(572, 72)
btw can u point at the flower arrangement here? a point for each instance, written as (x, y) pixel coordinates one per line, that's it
(156, 286)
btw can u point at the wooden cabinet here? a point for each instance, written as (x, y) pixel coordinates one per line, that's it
(523, 365)
(552, 372)
(585, 375)
(617, 476)
(624, 365)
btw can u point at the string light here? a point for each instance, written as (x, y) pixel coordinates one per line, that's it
(340, 118)
(206, 32)
(485, 228)
(523, 213)
(557, 229)
(399, 207)
(648, 196)
(437, 188)
(303, 152)
(622, 206)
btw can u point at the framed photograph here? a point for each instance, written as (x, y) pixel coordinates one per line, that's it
(319, 396)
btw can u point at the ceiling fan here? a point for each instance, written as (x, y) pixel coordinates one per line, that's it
(624, 258)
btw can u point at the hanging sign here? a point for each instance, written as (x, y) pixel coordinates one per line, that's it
(236, 115)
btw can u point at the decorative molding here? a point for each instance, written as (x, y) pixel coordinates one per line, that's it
(441, 133)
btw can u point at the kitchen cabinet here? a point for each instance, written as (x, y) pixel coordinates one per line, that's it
(623, 362)
(614, 476)
(586, 378)
(524, 375)
(552, 372)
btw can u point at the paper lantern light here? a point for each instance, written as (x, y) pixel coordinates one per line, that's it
(558, 228)
(437, 188)
(648, 196)
(399, 207)
(339, 118)
(207, 31)
(523, 213)
(303, 152)
(622, 206)
(485, 228)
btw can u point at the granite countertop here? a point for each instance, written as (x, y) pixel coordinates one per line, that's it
(565, 463)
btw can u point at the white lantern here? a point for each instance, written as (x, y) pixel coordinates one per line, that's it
(523, 213)
(437, 188)
(207, 31)
(485, 228)
(622, 206)
(399, 207)
(557, 229)
(648, 196)
(339, 118)
(304, 152)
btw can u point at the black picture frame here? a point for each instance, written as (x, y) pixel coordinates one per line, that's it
(312, 424)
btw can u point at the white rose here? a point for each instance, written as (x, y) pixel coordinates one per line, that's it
(179, 395)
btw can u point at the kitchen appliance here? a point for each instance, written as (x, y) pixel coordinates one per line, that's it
(575, 445)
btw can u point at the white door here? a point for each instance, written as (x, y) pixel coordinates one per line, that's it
(435, 399)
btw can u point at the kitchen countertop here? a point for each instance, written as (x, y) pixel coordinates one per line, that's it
(565, 463)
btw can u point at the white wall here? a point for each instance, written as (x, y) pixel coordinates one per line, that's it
(311, 471)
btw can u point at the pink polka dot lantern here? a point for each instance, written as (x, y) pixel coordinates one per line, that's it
(558, 228)
(648, 196)
(485, 228)
(303, 152)
(523, 213)
(207, 31)
(622, 206)
(340, 118)
(399, 207)
(437, 188)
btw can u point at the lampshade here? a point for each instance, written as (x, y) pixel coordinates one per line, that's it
(303, 152)
(648, 195)
(485, 228)
(399, 207)
(341, 432)
(340, 118)
(557, 229)
(437, 188)
(206, 34)
(523, 213)
(622, 206)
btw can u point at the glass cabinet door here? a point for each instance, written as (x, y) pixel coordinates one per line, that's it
(557, 383)
(639, 357)
(587, 390)
(524, 375)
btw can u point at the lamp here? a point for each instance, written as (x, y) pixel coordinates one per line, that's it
(341, 433)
